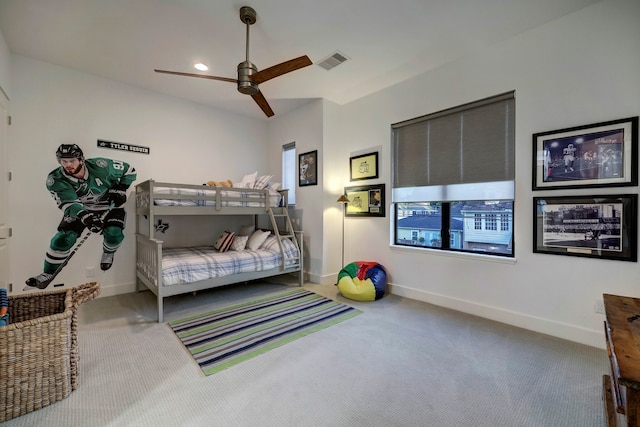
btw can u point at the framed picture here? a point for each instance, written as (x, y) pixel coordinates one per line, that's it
(364, 166)
(365, 200)
(597, 155)
(308, 168)
(587, 226)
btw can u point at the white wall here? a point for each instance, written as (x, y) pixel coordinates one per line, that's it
(333, 184)
(304, 126)
(578, 70)
(189, 143)
(5, 75)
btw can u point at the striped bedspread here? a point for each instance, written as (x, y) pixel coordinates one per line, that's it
(251, 200)
(186, 265)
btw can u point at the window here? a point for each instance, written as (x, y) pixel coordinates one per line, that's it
(491, 222)
(504, 222)
(477, 221)
(289, 170)
(453, 178)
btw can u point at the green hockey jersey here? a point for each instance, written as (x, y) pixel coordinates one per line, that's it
(90, 192)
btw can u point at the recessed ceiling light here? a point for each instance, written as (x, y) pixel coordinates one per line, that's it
(200, 66)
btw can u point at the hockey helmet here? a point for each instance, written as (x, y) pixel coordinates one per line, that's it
(69, 151)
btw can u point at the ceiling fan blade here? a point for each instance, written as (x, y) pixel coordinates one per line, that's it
(263, 104)
(280, 69)
(201, 76)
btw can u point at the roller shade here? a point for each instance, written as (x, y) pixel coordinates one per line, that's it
(451, 149)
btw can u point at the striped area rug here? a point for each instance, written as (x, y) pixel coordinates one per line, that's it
(223, 338)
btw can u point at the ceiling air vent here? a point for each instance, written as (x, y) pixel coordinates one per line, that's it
(332, 60)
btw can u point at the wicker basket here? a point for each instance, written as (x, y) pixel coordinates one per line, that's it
(39, 349)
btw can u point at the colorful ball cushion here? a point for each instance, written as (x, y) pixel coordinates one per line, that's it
(362, 281)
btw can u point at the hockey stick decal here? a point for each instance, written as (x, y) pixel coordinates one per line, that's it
(44, 285)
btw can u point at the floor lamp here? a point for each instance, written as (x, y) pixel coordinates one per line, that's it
(343, 200)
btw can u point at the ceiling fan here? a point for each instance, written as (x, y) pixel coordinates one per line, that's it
(248, 75)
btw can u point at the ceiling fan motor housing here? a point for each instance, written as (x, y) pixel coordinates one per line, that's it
(245, 84)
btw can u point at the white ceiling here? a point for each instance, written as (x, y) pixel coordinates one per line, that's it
(386, 41)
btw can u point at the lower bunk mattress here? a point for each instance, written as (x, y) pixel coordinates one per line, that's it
(187, 265)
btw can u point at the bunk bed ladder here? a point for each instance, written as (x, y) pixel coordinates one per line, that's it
(285, 233)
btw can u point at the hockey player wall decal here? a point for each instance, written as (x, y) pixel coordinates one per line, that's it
(91, 194)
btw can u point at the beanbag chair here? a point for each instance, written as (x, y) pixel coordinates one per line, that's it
(362, 281)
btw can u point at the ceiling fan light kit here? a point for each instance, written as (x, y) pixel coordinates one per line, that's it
(248, 75)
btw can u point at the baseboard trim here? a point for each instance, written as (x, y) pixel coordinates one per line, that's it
(119, 289)
(322, 280)
(565, 331)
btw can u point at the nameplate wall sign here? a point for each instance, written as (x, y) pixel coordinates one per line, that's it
(123, 147)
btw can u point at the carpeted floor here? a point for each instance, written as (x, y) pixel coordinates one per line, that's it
(399, 363)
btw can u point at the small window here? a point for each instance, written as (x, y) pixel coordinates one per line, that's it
(477, 221)
(289, 170)
(504, 222)
(492, 222)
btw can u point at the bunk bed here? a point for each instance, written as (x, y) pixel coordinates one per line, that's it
(166, 271)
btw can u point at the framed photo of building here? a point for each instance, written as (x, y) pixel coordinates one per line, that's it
(308, 168)
(588, 226)
(597, 155)
(365, 200)
(364, 166)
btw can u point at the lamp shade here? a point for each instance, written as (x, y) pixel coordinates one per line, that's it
(343, 199)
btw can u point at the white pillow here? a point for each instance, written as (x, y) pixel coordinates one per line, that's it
(257, 239)
(248, 180)
(275, 186)
(239, 243)
(271, 243)
(247, 230)
(262, 182)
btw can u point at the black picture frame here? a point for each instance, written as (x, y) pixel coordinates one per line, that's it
(364, 166)
(308, 168)
(591, 156)
(365, 201)
(602, 227)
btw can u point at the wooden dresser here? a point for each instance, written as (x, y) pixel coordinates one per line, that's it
(621, 388)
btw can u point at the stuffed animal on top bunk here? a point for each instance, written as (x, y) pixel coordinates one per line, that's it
(227, 183)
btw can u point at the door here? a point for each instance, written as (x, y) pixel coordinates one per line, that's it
(5, 231)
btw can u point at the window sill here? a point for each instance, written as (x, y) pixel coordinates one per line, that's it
(465, 255)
